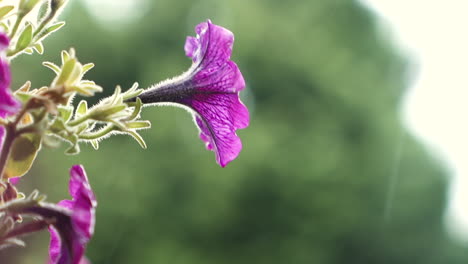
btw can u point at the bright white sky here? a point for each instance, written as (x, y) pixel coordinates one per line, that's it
(436, 107)
(116, 13)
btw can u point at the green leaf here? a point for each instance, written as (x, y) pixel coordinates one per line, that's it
(23, 153)
(25, 38)
(137, 110)
(73, 150)
(65, 112)
(82, 108)
(138, 125)
(87, 67)
(52, 66)
(29, 51)
(138, 138)
(39, 48)
(65, 57)
(44, 33)
(95, 144)
(5, 10)
(67, 70)
(105, 113)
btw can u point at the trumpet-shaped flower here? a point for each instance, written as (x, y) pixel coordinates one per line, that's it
(69, 238)
(210, 89)
(71, 222)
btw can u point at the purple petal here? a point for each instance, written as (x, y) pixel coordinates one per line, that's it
(14, 180)
(226, 79)
(55, 246)
(211, 88)
(8, 104)
(212, 47)
(78, 180)
(191, 45)
(218, 117)
(4, 41)
(217, 81)
(2, 133)
(81, 224)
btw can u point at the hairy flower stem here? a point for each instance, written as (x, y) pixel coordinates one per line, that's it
(98, 134)
(10, 135)
(16, 26)
(28, 228)
(78, 120)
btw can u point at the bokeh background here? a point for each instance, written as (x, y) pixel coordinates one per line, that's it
(328, 174)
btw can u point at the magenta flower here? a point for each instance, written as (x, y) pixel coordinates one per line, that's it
(210, 89)
(8, 104)
(71, 222)
(69, 236)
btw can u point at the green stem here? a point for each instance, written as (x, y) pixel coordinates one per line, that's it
(16, 26)
(78, 121)
(98, 134)
(42, 25)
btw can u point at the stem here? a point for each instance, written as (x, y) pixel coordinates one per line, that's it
(98, 134)
(16, 26)
(43, 24)
(27, 228)
(6, 149)
(79, 120)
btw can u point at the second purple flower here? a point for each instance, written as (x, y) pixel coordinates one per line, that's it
(210, 89)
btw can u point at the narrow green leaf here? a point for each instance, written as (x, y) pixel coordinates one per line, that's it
(65, 57)
(39, 47)
(5, 10)
(138, 138)
(45, 33)
(95, 144)
(67, 70)
(138, 125)
(25, 38)
(136, 111)
(29, 51)
(87, 67)
(52, 66)
(82, 108)
(55, 27)
(73, 150)
(65, 112)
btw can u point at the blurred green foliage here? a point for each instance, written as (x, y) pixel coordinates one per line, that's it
(327, 175)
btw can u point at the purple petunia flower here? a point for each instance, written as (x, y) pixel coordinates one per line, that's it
(71, 222)
(8, 104)
(210, 88)
(69, 235)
